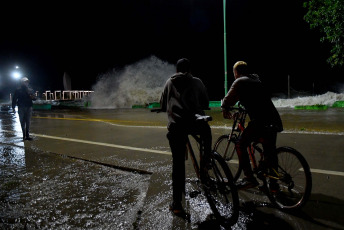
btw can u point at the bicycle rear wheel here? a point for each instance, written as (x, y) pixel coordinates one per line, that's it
(221, 192)
(295, 180)
(226, 148)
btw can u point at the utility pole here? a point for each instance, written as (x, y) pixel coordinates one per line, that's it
(288, 86)
(225, 43)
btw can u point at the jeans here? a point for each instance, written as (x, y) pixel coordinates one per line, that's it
(25, 118)
(177, 136)
(267, 137)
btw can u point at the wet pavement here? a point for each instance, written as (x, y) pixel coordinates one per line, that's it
(111, 169)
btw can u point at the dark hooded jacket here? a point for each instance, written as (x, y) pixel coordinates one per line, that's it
(183, 97)
(23, 97)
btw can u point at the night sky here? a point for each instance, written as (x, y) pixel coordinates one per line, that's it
(88, 39)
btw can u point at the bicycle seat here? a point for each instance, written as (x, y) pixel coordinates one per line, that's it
(203, 118)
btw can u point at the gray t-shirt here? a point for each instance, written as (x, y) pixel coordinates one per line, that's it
(250, 92)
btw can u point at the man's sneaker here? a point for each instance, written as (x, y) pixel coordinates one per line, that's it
(247, 182)
(28, 138)
(177, 209)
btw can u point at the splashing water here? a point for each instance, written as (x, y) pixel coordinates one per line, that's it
(139, 83)
(142, 83)
(325, 99)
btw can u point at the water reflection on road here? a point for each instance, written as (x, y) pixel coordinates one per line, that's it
(41, 190)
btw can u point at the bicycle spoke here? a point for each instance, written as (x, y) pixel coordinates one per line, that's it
(221, 193)
(294, 180)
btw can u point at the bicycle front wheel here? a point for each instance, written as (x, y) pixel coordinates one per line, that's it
(226, 148)
(221, 192)
(295, 180)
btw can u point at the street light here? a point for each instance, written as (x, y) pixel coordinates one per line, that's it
(16, 75)
(225, 44)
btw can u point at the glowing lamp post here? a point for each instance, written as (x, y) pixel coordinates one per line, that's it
(225, 43)
(16, 74)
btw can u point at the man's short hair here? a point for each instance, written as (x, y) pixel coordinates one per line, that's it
(183, 65)
(241, 67)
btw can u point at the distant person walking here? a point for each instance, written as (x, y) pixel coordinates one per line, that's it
(23, 97)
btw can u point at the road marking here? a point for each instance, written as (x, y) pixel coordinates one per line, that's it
(98, 143)
(150, 124)
(91, 119)
(327, 172)
(321, 171)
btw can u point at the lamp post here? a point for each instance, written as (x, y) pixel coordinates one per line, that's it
(225, 44)
(16, 74)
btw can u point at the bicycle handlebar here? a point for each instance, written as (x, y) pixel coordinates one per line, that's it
(198, 117)
(203, 118)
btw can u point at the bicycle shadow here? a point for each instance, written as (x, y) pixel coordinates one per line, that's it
(250, 218)
(320, 210)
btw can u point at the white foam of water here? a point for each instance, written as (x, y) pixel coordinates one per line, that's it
(325, 99)
(140, 83)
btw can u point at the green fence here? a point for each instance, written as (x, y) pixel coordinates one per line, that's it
(41, 106)
(212, 104)
(338, 104)
(312, 107)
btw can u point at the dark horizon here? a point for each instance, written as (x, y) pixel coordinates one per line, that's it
(88, 40)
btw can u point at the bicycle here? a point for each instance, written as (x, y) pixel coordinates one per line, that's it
(293, 174)
(215, 179)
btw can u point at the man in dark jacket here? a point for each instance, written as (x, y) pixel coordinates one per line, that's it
(264, 123)
(182, 98)
(23, 97)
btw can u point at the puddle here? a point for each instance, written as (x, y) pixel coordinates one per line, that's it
(42, 190)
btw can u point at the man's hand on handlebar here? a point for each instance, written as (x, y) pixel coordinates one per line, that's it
(226, 114)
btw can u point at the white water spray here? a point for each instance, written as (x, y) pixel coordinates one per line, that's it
(325, 99)
(142, 83)
(139, 83)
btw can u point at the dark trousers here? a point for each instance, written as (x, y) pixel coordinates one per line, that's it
(267, 136)
(25, 119)
(177, 136)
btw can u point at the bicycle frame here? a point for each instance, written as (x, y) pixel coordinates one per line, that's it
(216, 181)
(193, 156)
(285, 187)
(237, 129)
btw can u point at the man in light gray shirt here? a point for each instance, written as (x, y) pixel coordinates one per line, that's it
(264, 123)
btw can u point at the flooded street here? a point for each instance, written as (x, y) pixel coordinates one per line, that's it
(42, 190)
(111, 169)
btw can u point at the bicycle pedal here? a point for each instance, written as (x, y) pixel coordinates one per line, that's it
(194, 194)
